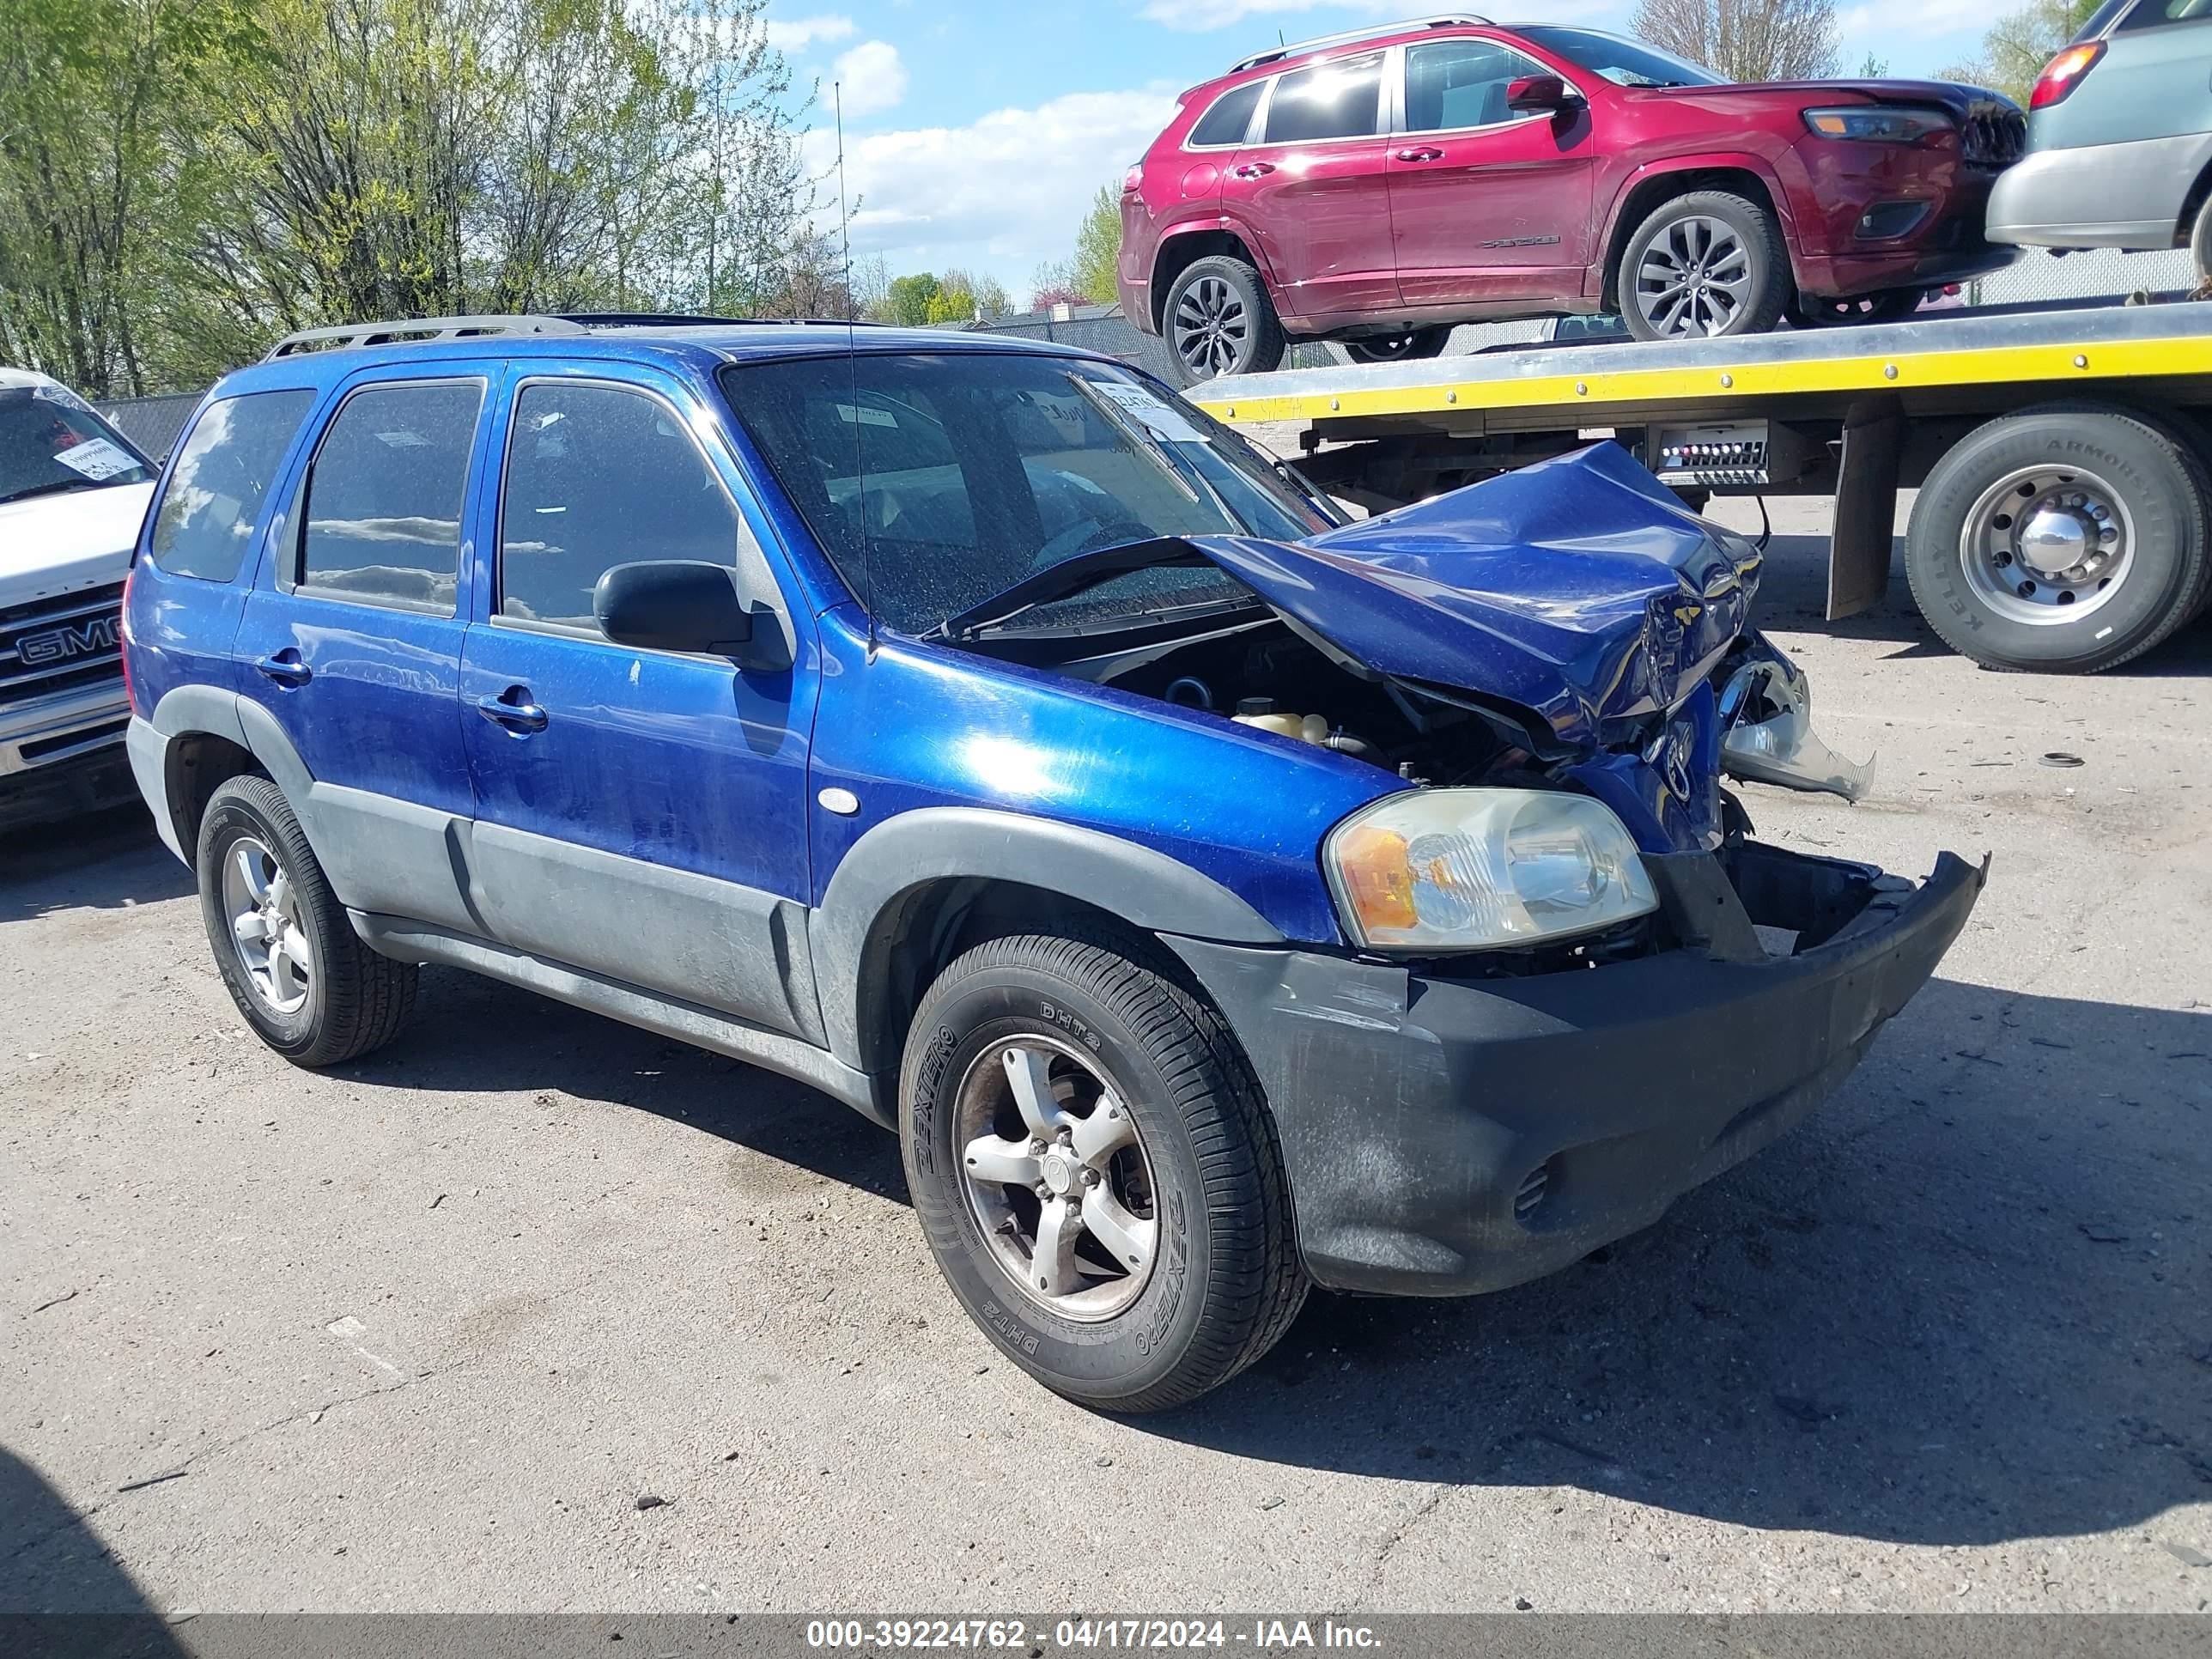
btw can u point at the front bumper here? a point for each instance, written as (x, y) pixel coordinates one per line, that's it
(1449, 1136)
(2102, 196)
(63, 754)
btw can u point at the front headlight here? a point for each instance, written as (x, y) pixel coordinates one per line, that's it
(1875, 124)
(1470, 869)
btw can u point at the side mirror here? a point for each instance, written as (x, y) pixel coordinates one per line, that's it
(1532, 92)
(676, 605)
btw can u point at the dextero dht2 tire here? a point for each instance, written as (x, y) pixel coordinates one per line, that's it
(1096, 1173)
(294, 965)
(1704, 265)
(1219, 320)
(2064, 540)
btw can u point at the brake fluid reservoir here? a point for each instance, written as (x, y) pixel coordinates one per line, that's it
(1261, 712)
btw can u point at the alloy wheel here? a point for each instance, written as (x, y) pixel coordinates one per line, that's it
(1694, 279)
(1056, 1175)
(264, 907)
(1213, 328)
(2046, 544)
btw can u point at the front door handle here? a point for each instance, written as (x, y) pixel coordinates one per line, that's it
(1422, 153)
(1253, 170)
(285, 668)
(513, 710)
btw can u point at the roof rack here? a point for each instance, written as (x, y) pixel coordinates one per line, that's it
(414, 331)
(1273, 54)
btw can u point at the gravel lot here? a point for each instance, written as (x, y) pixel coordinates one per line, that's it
(420, 1332)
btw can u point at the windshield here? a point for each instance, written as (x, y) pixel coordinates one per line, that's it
(1624, 63)
(935, 480)
(50, 441)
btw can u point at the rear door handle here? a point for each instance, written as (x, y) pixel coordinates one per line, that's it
(1253, 169)
(285, 668)
(1423, 153)
(513, 710)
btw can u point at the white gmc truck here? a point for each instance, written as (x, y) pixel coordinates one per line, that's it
(72, 492)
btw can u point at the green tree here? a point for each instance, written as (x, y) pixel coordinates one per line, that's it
(1097, 248)
(907, 299)
(2020, 43)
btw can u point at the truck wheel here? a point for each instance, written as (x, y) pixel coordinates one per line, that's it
(1097, 1173)
(1701, 265)
(1220, 320)
(2064, 540)
(294, 965)
(1405, 347)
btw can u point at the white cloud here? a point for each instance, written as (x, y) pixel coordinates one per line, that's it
(796, 34)
(871, 78)
(1198, 15)
(1883, 21)
(997, 195)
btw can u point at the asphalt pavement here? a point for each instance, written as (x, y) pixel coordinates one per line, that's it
(423, 1333)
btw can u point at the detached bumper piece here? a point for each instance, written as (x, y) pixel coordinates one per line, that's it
(1446, 1136)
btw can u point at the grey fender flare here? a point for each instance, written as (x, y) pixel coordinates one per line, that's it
(1147, 889)
(189, 709)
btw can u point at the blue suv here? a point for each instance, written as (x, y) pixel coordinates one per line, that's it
(1216, 897)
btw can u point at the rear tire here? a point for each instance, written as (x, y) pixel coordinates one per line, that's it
(2108, 507)
(291, 961)
(1890, 306)
(1190, 1182)
(1219, 320)
(1410, 347)
(1729, 244)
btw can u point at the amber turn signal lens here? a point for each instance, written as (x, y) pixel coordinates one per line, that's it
(1377, 878)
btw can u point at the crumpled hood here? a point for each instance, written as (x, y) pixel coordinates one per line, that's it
(1957, 98)
(1579, 589)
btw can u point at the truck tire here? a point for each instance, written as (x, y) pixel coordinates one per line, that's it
(298, 972)
(1219, 320)
(1701, 266)
(1095, 1172)
(2064, 539)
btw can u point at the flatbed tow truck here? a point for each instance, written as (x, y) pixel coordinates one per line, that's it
(2064, 519)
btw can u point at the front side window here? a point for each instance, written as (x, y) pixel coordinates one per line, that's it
(381, 515)
(1340, 99)
(1624, 63)
(1225, 123)
(221, 478)
(935, 482)
(1451, 84)
(600, 476)
(53, 444)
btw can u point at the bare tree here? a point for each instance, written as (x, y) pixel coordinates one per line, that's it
(1746, 40)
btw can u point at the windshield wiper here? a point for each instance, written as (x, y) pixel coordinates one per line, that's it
(1064, 580)
(53, 488)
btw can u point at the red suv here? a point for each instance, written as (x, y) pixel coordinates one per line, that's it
(1378, 187)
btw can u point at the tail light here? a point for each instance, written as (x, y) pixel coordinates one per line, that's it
(2064, 73)
(123, 629)
(1132, 180)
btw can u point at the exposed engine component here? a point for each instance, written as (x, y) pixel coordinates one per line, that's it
(1191, 692)
(1307, 728)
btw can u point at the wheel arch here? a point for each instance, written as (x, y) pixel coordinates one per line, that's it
(1741, 175)
(1182, 249)
(918, 888)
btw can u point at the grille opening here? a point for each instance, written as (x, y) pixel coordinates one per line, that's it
(1535, 1187)
(91, 734)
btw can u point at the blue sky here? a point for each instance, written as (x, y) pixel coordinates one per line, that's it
(976, 132)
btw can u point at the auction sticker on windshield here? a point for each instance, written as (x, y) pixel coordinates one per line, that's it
(95, 458)
(1158, 418)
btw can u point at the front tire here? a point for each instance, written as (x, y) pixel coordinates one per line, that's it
(1702, 266)
(291, 961)
(1219, 320)
(1412, 346)
(2064, 539)
(1890, 306)
(1095, 1172)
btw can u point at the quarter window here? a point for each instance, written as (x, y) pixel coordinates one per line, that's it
(381, 514)
(1450, 84)
(1340, 99)
(1226, 122)
(2150, 13)
(221, 478)
(598, 476)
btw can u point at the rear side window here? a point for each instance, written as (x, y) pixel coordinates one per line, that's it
(206, 520)
(2150, 13)
(599, 475)
(1340, 98)
(1225, 123)
(381, 515)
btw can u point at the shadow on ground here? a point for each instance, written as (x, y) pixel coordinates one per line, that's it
(103, 860)
(52, 1563)
(1970, 1301)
